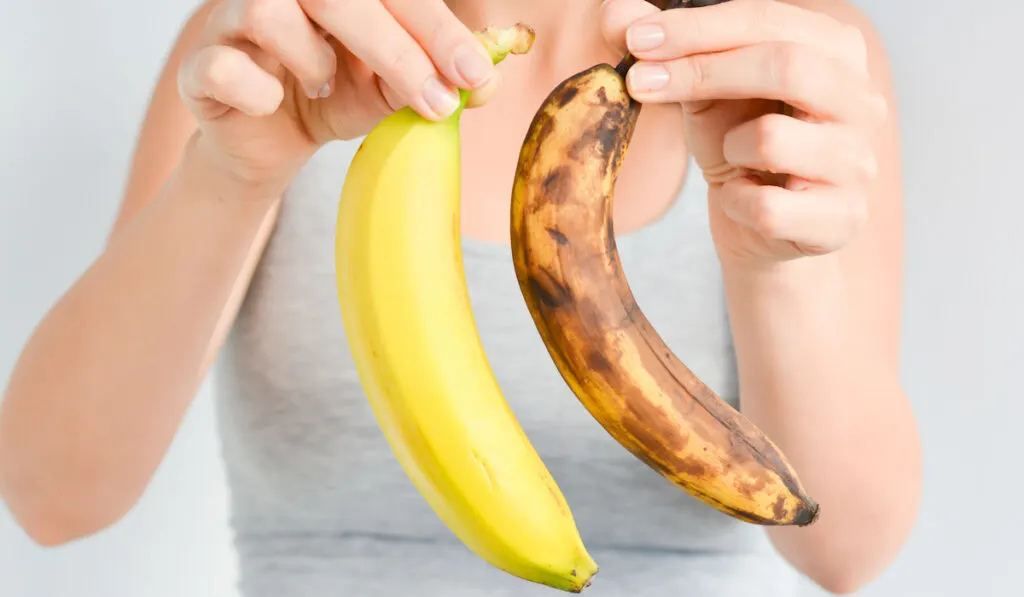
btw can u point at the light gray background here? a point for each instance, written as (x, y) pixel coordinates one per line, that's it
(74, 81)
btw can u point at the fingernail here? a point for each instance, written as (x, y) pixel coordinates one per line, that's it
(442, 100)
(641, 38)
(474, 67)
(647, 77)
(315, 93)
(326, 90)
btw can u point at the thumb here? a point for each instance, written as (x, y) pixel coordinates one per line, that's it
(618, 15)
(481, 96)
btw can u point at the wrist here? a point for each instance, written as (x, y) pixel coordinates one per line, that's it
(208, 173)
(808, 295)
(801, 276)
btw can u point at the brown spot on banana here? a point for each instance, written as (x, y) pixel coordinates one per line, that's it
(609, 354)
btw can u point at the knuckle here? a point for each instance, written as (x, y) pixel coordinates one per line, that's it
(867, 168)
(878, 108)
(855, 43)
(690, 26)
(696, 78)
(764, 216)
(765, 19)
(217, 69)
(258, 19)
(319, 7)
(857, 215)
(787, 66)
(402, 68)
(767, 138)
(449, 35)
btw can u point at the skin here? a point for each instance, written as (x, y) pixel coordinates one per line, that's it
(811, 261)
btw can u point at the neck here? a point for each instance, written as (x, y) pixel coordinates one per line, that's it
(568, 31)
(538, 13)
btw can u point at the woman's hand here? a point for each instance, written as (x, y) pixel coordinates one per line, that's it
(794, 139)
(779, 113)
(273, 80)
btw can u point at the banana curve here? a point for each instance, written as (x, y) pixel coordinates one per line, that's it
(607, 351)
(413, 337)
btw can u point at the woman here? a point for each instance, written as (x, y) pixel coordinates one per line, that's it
(227, 224)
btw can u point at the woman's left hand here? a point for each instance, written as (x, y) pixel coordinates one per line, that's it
(780, 115)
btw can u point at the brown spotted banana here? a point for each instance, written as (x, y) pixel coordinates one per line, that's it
(616, 363)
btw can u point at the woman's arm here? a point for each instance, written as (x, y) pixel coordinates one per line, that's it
(817, 343)
(104, 381)
(816, 337)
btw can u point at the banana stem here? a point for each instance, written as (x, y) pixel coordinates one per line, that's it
(629, 60)
(502, 41)
(499, 42)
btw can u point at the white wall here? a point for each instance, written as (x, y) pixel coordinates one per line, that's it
(75, 80)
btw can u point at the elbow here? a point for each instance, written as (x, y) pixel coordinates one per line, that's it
(849, 561)
(845, 557)
(845, 567)
(55, 513)
(46, 534)
(844, 573)
(841, 582)
(49, 521)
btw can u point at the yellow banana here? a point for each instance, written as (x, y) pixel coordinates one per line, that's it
(568, 267)
(407, 316)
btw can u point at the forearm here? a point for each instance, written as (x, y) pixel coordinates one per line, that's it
(105, 379)
(817, 379)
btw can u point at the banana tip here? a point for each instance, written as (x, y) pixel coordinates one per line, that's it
(586, 583)
(808, 515)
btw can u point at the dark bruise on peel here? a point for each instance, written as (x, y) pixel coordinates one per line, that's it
(558, 185)
(558, 237)
(550, 291)
(608, 134)
(567, 96)
(779, 511)
(597, 362)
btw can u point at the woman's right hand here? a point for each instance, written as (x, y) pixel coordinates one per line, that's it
(273, 80)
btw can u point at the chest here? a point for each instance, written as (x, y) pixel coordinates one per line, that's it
(649, 181)
(297, 423)
(670, 264)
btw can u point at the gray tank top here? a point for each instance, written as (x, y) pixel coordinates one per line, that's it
(320, 506)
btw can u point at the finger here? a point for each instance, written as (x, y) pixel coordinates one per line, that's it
(217, 79)
(670, 34)
(485, 94)
(281, 30)
(457, 54)
(783, 71)
(817, 221)
(390, 95)
(825, 153)
(371, 34)
(618, 15)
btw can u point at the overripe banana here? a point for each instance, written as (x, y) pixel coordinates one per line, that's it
(568, 268)
(407, 316)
